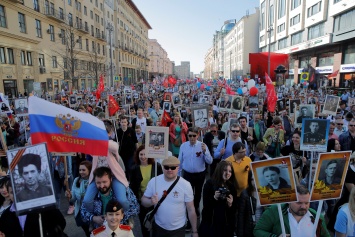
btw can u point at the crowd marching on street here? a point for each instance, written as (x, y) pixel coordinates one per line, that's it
(204, 186)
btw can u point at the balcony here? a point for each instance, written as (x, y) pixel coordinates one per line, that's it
(54, 14)
(82, 28)
(17, 1)
(100, 36)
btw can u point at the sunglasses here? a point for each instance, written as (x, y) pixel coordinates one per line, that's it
(352, 125)
(190, 135)
(339, 124)
(170, 167)
(234, 131)
(213, 131)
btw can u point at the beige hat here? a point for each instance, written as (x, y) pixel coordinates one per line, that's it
(171, 160)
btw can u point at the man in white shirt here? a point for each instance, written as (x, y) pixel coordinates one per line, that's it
(339, 129)
(140, 120)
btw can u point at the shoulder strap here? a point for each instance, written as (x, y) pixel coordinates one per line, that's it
(163, 197)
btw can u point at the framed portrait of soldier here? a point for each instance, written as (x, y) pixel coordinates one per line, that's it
(72, 101)
(176, 99)
(195, 98)
(274, 180)
(156, 142)
(21, 107)
(281, 105)
(314, 134)
(128, 98)
(199, 116)
(31, 178)
(304, 112)
(351, 102)
(253, 103)
(330, 175)
(167, 106)
(136, 95)
(293, 105)
(167, 96)
(237, 103)
(226, 102)
(331, 104)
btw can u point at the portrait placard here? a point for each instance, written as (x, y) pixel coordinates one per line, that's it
(253, 102)
(21, 107)
(237, 103)
(226, 103)
(72, 101)
(167, 96)
(331, 105)
(199, 114)
(274, 181)
(156, 142)
(330, 175)
(351, 102)
(167, 106)
(31, 178)
(314, 134)
(305, 112)
(176, 99)
(281, 105)
(128, 98)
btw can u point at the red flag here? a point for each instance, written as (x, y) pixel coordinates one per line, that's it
(113, 106)
(271, 94)
(165, 119)
(100, 88)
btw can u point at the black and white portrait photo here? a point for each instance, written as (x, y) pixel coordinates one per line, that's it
(331, 104)
(315, 133)
(166, 106)
(304, 112)
(253, 102)
(31, 177)
(176, 99)
(293, 105)
(200, 116)
(331, 171)
(136, 95)
(274, 177)
(4, 107)
(128, 98)
(281, 105)
(195, 98)
(21, 107)
(238, 103)
(226, 102)
(156, 139)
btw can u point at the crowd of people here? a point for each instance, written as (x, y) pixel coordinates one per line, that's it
(205, 186)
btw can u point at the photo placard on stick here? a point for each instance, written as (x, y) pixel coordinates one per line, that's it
(315, 134)
(200, 113)
(156, 142)
(237, 103)
(331, 105)
(305, 112)
(32, 160)
(274, 181)
(330, 175)
(21, 107)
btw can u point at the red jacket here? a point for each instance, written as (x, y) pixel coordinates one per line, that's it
(183, 132)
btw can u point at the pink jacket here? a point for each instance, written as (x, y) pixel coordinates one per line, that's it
(183, 132)
(112, 160)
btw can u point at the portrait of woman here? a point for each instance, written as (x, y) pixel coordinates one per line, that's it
(237, 103)
(273, 178)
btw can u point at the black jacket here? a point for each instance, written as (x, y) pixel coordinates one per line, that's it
(245, 214)
(208, 138)
(136, 178)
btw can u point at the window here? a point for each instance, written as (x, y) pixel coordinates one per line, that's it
(87, 45)
(271, 15)
(2, 55)
(70, 19)
(2, 16)
(97, 18)
(345, 21)
(349, 54)
(96, 3)
(325, 59)
(103, 50)
(69, 2)
(262, 38)
(23, 57)
(51, 8)
(38, 28)
(315, 9)
(295, 4)
(41, 60)
(281, 28)
(98, 48)
(296, 38)
(316, 31)
(85, 11)
(304, 62)
(10, 55)
(54, 62)
(29, 58)
(46, 6)
(51, 32)
(92, 30)
(61, 13)
(273, 47)
(79, 6)
(336, 1)
(93, 46)
(91, 15)
(282, 43)
(282, 8)
(62, 36)
(22, 23)
(262, 18)
(36, 5)
(80, 43)
(295, 20)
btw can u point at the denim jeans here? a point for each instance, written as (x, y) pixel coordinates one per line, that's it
(118, 188)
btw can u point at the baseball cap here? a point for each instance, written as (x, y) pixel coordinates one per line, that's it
(171, 160)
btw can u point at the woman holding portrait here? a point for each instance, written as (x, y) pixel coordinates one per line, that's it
(177, 134)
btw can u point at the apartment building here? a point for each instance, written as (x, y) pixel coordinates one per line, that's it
(159, 63)
(208, 61)
(182, 71)
(316, 33)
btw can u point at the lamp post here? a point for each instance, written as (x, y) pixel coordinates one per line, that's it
(110, 29)
(269, 30)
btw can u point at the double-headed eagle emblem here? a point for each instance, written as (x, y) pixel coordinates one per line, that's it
(68, 124)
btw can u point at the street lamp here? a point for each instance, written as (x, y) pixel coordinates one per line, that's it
(269, 30)
(110, 29)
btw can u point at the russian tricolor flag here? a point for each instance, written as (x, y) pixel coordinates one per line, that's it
(66, 130)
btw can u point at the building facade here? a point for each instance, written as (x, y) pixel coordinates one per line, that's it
(159, 63)
(182, 71)
(238, 43)
(315, 34)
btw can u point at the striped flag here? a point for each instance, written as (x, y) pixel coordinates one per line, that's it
(66, 130)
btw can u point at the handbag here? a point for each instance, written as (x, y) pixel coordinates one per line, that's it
(149, 217)
(177, 142)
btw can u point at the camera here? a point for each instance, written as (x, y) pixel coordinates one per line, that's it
(224, 192)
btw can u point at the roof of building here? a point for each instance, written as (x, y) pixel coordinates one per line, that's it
(136, 10)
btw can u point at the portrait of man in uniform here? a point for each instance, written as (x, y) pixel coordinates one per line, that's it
(329, 175)
(293, 104)
(226, 103)
(305, 112)
(21, 106)
(29, 168)
(314, 131)
(200, 118)
(331, 104)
